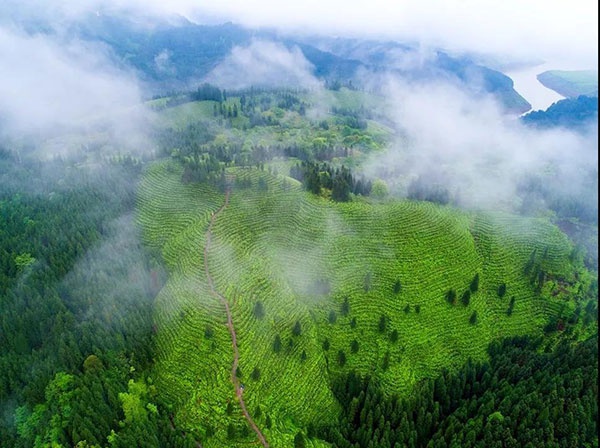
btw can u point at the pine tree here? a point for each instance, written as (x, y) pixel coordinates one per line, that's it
(297, 330)
(473, 318)
(451, 296)
(466, 298)
(474, 283)
(277, 344)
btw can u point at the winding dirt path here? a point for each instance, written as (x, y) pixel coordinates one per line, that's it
(236, 356)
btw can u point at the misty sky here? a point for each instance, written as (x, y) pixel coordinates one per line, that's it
(46, 83)
(553, 30)
(564, 32)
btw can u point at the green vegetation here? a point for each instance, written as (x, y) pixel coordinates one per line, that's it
(76, 291)
(571, 83)
(304, 258)
(520, 397)
(106, 341)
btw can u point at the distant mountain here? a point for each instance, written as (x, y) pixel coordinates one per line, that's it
(411, 62)
(176, 54)
(571, 83)
(570, 112)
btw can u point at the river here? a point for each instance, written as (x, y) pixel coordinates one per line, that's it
(527, 85)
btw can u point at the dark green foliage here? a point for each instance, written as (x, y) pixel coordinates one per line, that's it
(451, 296)
(394, 335)
(303, 356)
(568, 112)
(421, 189)
(332, 317)
(345, 306)
(382, 323)
(268, 422)
(299, 441)
(245, 431)
(257, 412)
(297, 330)
(397, 287)
(353, 322)
(474, 286)
(231, 431)
(502, 289)
(326, 345)
(417, 309)
(259, 310)
(209, 332)
(473, 318)
(277, 344)
(341, 358)
(76, 292)
(367, 282)
(354, 346)
(207, 92)
(511, 306)
(465, 299)
(238, 372)
(229, 408)
(311, 431)
(407, 308)
(522, 397)
(316, 177)
(255, 375)
(386, 361)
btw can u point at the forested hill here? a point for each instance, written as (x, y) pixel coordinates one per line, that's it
(570, 113)
(177, 54)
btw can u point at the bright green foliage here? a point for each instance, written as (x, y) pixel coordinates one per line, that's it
(277, 246)
(24, 260)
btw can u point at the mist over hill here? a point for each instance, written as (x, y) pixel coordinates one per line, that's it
(178, 54)
(312, 224)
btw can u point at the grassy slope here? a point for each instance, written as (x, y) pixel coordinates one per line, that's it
(278, 247)
(571, 84)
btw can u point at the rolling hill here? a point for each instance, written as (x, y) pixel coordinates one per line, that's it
(341, 287)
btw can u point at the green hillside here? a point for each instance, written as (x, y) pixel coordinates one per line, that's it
(571, 83)
(340, 286)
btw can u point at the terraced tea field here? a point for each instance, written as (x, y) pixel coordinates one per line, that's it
(316, 288)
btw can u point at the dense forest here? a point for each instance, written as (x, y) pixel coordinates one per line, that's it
(77, 288)
(76, 291)
(529, 394)
(579, 112)
(212, 235)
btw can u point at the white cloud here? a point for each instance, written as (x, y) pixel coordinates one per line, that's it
(552, 30)
(266, 64)
(472, 148)
(48, 87)
(556, 31)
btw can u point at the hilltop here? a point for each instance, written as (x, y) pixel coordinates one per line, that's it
(571, 83)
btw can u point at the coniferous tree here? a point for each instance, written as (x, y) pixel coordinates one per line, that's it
(297, 330)
(502, 290)
(473, 318)
(277, 344)
(474, 286)
(382, 323)
(345, 306)
(466, 298)
(451, 296)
